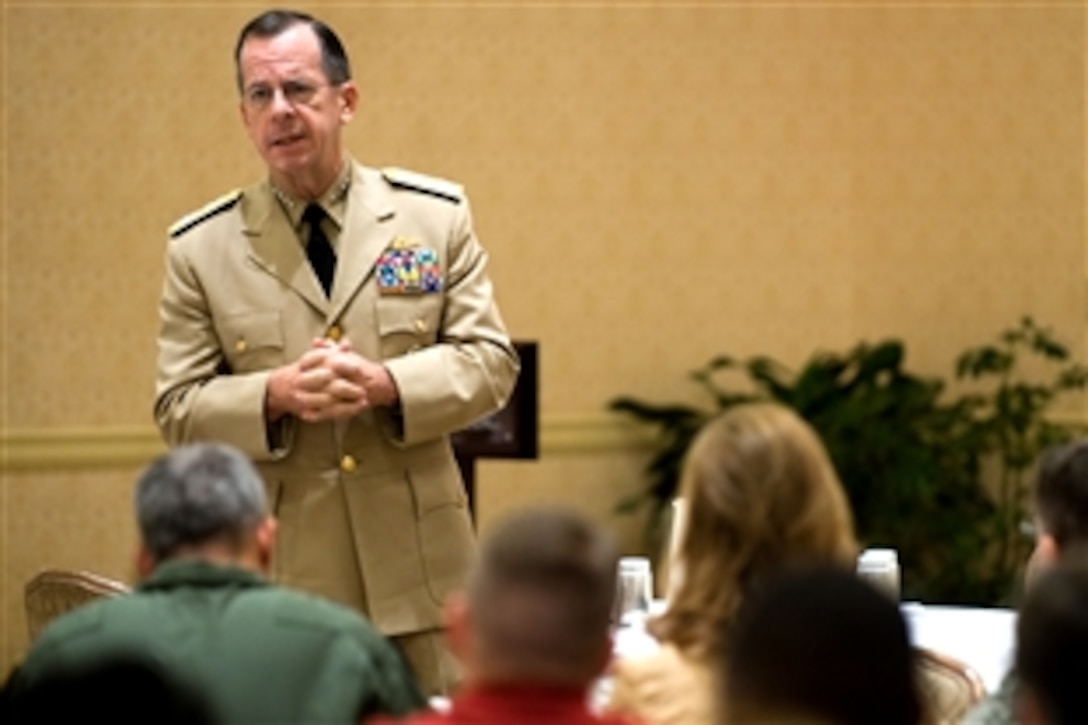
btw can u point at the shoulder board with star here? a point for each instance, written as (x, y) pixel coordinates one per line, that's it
(405, 179)
(207, 211)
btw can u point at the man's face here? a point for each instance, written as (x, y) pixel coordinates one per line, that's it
(291, 112)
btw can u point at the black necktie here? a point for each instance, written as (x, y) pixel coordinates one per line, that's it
(318, 249)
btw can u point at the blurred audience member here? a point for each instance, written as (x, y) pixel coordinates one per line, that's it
(1052, 648)
(532, 628)
(1060, 498)
(114, 690)
(760, 494)
(209, 619)
(818, 645)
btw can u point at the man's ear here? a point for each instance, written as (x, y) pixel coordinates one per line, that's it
(265, 538)
(1045, 555)
(458, 625)
(349, 101)
(145, 562)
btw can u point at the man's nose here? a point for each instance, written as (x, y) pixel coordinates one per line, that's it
(280, 103)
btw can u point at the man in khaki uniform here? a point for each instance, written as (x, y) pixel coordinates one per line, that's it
(340, 372)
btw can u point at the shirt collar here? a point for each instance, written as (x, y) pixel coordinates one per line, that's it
(195, 572)
(333, 200)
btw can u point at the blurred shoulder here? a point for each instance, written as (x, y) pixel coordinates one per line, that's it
(300, 609)
(648, 665)
(662, 686)
(90, 629)
(209, 211)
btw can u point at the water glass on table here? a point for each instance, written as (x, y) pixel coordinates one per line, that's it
(880, 567)
(634, 591)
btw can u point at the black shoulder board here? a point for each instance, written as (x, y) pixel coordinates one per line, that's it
(207, 211)
(404, 179)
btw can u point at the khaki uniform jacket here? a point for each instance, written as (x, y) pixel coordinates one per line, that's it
(372, 511)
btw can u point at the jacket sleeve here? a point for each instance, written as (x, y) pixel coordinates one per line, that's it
(196, 397)
(472, 369)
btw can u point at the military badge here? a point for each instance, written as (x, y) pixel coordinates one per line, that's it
(404, 268)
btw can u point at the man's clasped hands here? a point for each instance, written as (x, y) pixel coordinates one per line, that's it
(330, 381)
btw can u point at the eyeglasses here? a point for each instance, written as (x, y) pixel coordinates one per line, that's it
(259, 96)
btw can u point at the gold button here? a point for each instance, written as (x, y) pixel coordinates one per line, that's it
(334, 333)
(421, 326)
(240, 346)
(347, 464)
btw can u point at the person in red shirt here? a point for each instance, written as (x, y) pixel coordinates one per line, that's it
(532, 629)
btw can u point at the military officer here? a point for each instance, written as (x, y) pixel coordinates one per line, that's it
(337, 323)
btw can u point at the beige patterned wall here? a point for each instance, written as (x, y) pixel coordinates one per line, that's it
(656, 184)
(69, 520)
(5, 601)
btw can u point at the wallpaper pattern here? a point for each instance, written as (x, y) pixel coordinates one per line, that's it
(656, 183)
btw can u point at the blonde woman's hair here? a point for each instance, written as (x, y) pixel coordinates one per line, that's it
(760, 494)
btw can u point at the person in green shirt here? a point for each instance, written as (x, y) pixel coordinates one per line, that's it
(205, 617)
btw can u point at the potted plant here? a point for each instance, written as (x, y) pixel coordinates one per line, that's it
(941, 476)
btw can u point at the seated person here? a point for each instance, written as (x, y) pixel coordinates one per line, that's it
(1060, 499)
(1051, 663)
(760, 493)
(819, 645)
(532, 629)
(117, 690)
(208, 619)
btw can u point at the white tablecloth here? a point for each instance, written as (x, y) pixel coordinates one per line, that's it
(981, 637)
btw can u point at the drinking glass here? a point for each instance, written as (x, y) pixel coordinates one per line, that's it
(881, 568)
(634, 590)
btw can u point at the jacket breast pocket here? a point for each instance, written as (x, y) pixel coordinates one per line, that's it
(408, 323)
(252, 341)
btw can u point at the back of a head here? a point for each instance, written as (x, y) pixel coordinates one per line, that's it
(816, 644)
(1061, 493)
(761, 493)
(1052, 644)
(541, 596)
(198, 494)
(114, 690)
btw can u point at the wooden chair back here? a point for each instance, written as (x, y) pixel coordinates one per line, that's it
(51, 593)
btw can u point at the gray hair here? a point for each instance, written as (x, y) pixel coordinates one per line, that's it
(198, 493)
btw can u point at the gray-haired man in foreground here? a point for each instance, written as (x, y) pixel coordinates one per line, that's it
(205, 616)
